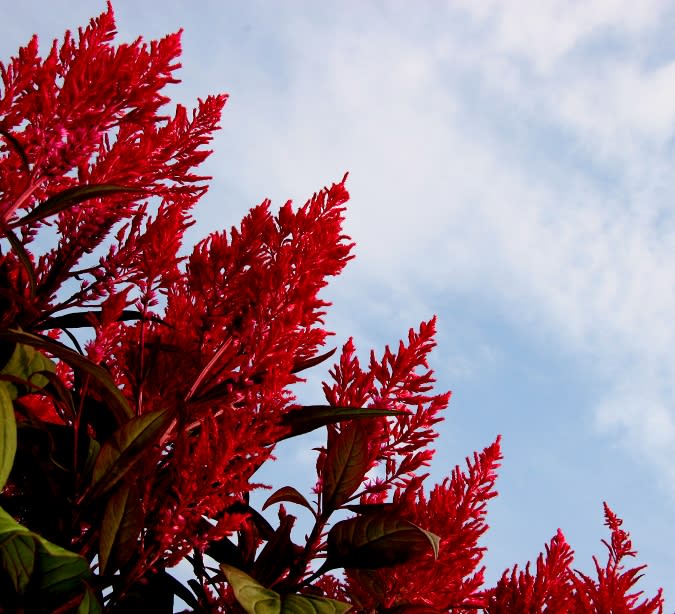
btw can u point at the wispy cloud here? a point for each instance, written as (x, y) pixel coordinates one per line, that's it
(529, 167)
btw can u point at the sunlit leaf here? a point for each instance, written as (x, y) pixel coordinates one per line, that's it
(287, 494)
(310, 417)
(374, 541)
(27, 558)
(69, 197)
(7, 434)
(26, 363)
(308, 604)
(125, 447)
(256, 599)
(252, 596)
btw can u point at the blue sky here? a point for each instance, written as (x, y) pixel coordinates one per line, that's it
(511, 170)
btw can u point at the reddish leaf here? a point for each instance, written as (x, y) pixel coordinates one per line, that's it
(301, 365)
(23, 257)
(125, 447)
(289, 494)
(310, 417)
(82, 319)
(347, 462)
(122, 523)
(69, 197)
(374, 541)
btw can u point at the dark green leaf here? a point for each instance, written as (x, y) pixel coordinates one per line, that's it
(253, 597)
(264, 528)
(183, 592)
(7, 434)
(27, 364)
(116, 399)
(370, 508)
(308, 604)
(69, 197)
(61, 571)
(121, 525)
(17, 557)
(289, 494)
(83, 319)
(224, 550)
(374, 541)
(28, 558)
(152, 593)
(310, 417)
(125, 447)
(93, 450)
(346, 464)
(278, 555)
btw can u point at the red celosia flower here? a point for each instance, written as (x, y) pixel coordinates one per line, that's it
(613, 592)
(236, 324)
(88, 114)
(455, 511)
(221, 334)
(555, 587)
(395, 383)
(549, 589)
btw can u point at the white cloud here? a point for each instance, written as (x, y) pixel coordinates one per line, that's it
(645, 422)
(542, 33)
(444, 200)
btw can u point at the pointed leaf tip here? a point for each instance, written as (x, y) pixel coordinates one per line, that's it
(290, 495)
(69, 197)
(377, 540)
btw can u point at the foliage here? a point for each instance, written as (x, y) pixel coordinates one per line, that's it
(139, 450)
